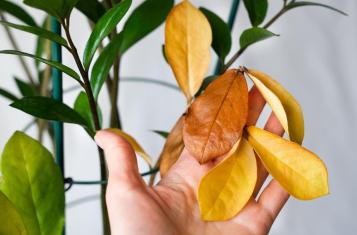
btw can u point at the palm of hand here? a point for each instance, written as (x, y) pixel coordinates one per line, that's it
(171, 208)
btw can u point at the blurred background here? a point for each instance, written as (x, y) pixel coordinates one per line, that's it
(314, 58)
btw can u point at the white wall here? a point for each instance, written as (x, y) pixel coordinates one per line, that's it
(314, 58)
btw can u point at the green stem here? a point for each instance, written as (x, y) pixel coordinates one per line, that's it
(267, 25)
(94, 111)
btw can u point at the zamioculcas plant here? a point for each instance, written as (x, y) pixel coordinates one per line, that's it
(214, 127)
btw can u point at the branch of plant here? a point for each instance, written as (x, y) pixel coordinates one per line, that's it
(16, 47)
(267, 25)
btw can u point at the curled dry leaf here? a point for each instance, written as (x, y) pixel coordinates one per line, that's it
(215, 120)
(188, 40)
(283, 104)
(172, 148)
(136, 146)
(227, 188)
(299, 171)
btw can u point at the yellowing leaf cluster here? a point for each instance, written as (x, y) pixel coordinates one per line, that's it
(215, 125)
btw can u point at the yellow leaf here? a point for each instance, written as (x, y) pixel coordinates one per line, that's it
(173, 147)
(283, 104)
(300, 172)
(188, 40)
(227, 188)
(136, 146)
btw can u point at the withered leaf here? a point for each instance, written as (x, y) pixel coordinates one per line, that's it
(172, 148)
(215, 120)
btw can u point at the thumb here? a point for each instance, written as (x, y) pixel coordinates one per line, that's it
(120, 158)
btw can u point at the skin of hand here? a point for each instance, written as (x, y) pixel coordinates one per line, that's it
(170, 207)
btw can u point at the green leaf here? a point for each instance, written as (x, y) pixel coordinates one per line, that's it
(103, 64)
(292, 5)
(103, 28)
(16, 11)
(11, 222)
(163, 134)
(41, 42)
(257, 10)
(34, 184)
(8, 95)
(49, 109)
(144, 19)
(25, 88)
(253, 35)
(82, 107)
(222, 40)
(60, 9)
(37, 31)
(93, 9)
(54, 64)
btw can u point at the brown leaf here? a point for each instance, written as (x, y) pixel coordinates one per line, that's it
(215, 120)
(172, 148)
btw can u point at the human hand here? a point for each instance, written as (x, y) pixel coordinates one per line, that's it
(170, 207)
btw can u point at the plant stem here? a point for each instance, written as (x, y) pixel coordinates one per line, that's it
(16, 47)
(114, 115)
(94, 111)
(267, 25)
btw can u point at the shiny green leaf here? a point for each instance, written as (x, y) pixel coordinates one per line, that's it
(17, 11)
(60, 9)
(11, 222)
(103, 28)
(93, 9)
(49, 109)
(257, 10)
(253, 35)
(305, 3)
(41, 32)
(103, 64)
(54, 64)
(25, 88)
(8, 95)
(144, 19)
(221, 41)
(82, 107)
(34, 184)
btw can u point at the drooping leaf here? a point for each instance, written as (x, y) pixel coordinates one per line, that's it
(300, 172)
(34, 184)
(227, 188)
(17, 11)
(188, 40)
(25, 88)
(283, 104)
(103, 64)
(222, 40)
(257, 10)
(105, 25)
(144, 19)
(173, 147)
(49, 109)
(8, 95)
(253, 35)
(215, 120)
(163, 134)
(136, 146)
(41, 32)
(93, 9)
(295, 4)
(54, 64)
(11, 221)
(60, 9)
